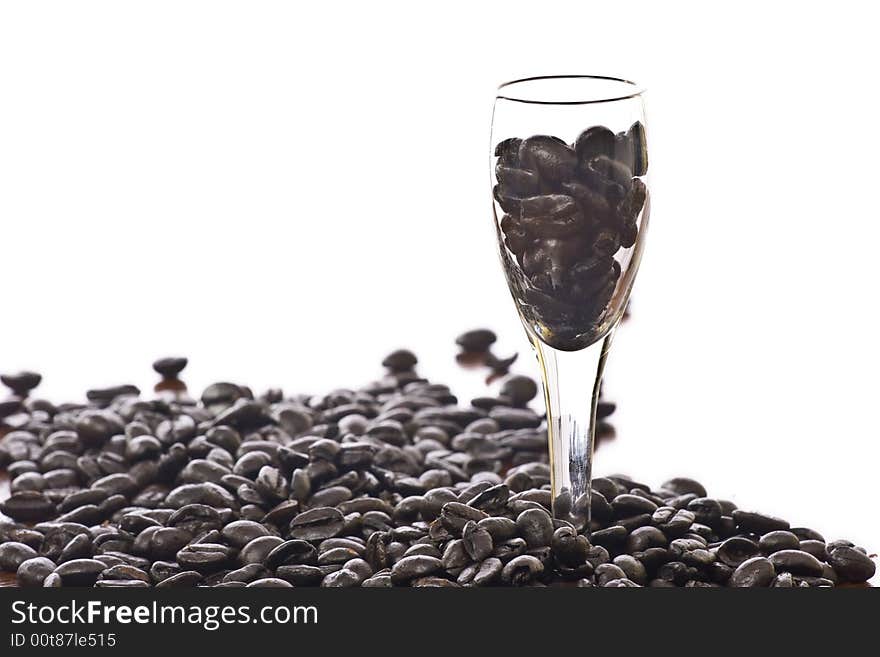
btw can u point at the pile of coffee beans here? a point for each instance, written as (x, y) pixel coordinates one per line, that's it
(392, 484)
(567, 210)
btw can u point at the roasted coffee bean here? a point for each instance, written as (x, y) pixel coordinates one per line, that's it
(184, 579)
(796, 562)
(12, 554)
(816, 548)
(79, 547)
(401, 360)
(170, 367)
(754, 572)
(126, 573)
(521, 570)
(626, 506)
(28, 506)
(33, 572)
(52, 581)
(633, 568)
(121, 584)
(758, 523)
(536, 527)
(455, 515)
(684, 485)
(552, 159)
(519, 389)
(643, 538)
(477, 340)
(736, 550)
(317, 524)
(610, 537)
(778, 540)
(80, 572)
(806, 534)
(21, 383)
(409, 568)
(706, 510)
(850, 565)
(204, 557)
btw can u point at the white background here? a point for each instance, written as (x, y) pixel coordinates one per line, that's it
(284, 192)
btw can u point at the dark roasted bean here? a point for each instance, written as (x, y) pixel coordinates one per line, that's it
(778, 540)
(28, 506)
(754, 572)
(642, 538)
(80, 572)
(796, 562)
(317, 524)
(536, 527)
(33, 572)
(626, 506)
(521, 570)
(293, 552)
(706, 510)
(735, 550)
(850, 565)
(241, 532)
(204, 557)
(184, 579)
(456, 515)
(410, 568)
(750, 521)
(12, 554)
(683, 486)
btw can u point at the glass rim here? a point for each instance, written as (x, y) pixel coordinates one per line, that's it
(637, 90)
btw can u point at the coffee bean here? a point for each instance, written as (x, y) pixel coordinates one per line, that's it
(778, 540)
(684, 485)
(79, 547)
(317, 524)
(455, 515)
(521, 570)
(806, 534)
(627, 505)
(796, 562)
(21, 383)
(204, 557)
(184, 579)
(632, 568)
(754, 572)
(477, 341)
(52, 581)
(758, 523)
(736, 550)
(170, 367)
(409, 568)
(28, 506)
(643, 538)
(80, 572)
(850, 565)
(610, 537)
(536, 527)
(125, 572)
(12, 554)
(207, 493)
(33, 572)
(401, 360)
(706, 510)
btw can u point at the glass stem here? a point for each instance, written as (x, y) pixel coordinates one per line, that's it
(571, 391)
